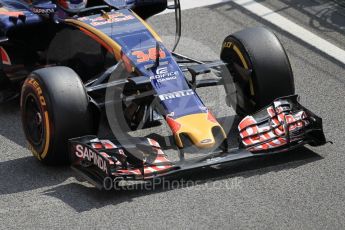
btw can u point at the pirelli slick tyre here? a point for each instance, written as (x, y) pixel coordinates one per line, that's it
(54, 108)
(260, 70)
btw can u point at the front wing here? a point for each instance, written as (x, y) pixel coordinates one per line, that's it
(97, 165)
(281, 127)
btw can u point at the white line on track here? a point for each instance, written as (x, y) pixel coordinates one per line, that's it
(277, 20)
(191, 4)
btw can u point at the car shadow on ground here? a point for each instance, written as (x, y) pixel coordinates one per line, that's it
(27, 173)
(323, 14)
(84, 198)
(10, 122)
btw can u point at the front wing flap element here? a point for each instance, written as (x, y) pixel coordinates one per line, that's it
(98, 159)
(103, 161)
(283, 125)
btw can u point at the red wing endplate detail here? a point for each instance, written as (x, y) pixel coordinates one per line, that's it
(283, 124)
(112, 159)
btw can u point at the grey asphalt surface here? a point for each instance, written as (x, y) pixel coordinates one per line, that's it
(301, 190)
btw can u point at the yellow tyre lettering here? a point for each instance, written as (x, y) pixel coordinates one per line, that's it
(34, 152)
(245, 65)
(36, 86)
(227, 45)
(47, 138)
(240, 55)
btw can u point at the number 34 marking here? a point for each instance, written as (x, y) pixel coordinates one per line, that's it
(151, 55)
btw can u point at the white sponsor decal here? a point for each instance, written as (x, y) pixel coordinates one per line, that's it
(163, 70)
(42, 11)
(206, 141)
(163, 74)
(87, 153)
(182, 93)
(172, 114)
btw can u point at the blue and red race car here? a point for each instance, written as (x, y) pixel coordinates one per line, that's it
(90, 77)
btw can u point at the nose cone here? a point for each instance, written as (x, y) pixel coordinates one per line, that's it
(198, 127)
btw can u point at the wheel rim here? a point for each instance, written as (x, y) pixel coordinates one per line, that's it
(33, 120)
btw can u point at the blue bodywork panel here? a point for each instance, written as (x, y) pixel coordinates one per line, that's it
(11, 9)
(136, 40)
(9, 15)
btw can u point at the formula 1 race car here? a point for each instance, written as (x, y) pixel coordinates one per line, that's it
(107, 73)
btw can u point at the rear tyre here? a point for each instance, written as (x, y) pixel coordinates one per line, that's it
(54, 107)
(260, 70)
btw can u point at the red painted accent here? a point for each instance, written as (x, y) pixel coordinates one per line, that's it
(12, 13)
(108, 157)
(97, 145)
(211, 118)
(174, 126)
(247, 121)
(63, 3)
(127, 62)
(108, 144)
(5, 58)
(153, 143)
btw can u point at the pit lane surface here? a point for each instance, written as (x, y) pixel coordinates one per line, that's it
(304, 189)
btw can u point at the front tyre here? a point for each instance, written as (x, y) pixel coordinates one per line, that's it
(54, 108)
(260, 70)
